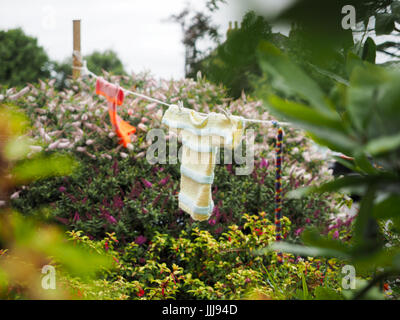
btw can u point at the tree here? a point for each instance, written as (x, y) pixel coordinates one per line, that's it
(22, 60)
(196, 26)
(107, 60)
(234, 63)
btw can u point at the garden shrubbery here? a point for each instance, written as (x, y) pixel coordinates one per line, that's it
(198, 265)
(119, 204)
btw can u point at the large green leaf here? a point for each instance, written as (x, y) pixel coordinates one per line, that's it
(336, 185)
(388, 208)
(43, 167)
(369, 50)
(383, 144)
(373, 100)
(361, 235)
(312, 238)
(273, 60)
(395, 6)
(353, 61)
(323, 293)
(329, 129)
(384, 23)
(304, 250)
(348, 182)
(305, 115)
(364, 164)
(347, 163)
(329, 74)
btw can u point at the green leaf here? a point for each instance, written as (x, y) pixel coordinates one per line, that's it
(369, 50)
(373, 294)
(323, 293)
(312, 238)
(395, 6)
(43, 167)
(273, 60)
(364, 216)
(382, 145)
(373, 100)
(352, 61)
(328, 129)
(335, 185)
(384, 23)
(304, 114)
(16, 148)
(388, 208)
(304, 250)
(305, 288)
(364, 164)
(347, 163)
(329, 74)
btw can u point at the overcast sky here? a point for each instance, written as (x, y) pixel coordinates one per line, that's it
(136, 29)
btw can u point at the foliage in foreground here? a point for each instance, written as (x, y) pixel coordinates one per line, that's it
(27, 245)
(360, 118)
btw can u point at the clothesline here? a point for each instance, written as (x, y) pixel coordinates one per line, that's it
(86, 70)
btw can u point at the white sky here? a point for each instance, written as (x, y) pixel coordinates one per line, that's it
(136, 30)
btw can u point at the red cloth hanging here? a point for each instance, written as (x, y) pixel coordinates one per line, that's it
(115, 97)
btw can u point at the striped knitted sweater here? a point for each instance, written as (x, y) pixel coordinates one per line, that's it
(201, 138)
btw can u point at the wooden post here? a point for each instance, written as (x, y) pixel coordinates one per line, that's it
(77, 48)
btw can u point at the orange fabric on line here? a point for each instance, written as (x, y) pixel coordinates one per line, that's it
(117, 100)
(115, 96)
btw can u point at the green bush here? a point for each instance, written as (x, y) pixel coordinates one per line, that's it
(117, 192)
(197, 265)
(22, 59)
(122, 193)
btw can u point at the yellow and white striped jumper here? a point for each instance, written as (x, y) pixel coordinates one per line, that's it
(201, 137)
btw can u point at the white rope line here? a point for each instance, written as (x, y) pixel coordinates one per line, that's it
(85, 70)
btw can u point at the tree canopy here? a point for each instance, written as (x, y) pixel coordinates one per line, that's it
(22, 60)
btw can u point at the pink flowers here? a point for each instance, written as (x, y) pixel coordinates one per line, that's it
(62, 189)
(142, 127)
(298, 232)
(140, 240)
(147, 183)
(264, 163)
(336, 234)
(164, 181)
(117, 202)
(76, 217)
(108, 216)
(111, 219)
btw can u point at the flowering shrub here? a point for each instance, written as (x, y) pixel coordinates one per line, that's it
(127, 208)
(117, 191)
(200, 266)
